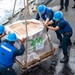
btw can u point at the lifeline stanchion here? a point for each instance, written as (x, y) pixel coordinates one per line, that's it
(14, 8)
(11, 18)
(25, 7)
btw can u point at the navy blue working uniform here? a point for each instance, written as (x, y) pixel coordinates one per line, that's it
(49, 13)
(8, 52)
(66, 30)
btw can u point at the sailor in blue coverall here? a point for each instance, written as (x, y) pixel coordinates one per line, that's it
(47, 15)
(8, 53)
(2, 31)
(65, 30)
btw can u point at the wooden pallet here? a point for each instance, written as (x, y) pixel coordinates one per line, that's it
(35, 62)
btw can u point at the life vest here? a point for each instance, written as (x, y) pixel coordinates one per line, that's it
(6, 54)
(44, 16)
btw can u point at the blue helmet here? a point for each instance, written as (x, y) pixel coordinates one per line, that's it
(11, 37)
(2, 29)
(41, 8)
(58, 15)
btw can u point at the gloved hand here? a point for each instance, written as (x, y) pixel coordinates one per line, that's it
(22, 41)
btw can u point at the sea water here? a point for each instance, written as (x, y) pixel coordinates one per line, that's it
(6, 9)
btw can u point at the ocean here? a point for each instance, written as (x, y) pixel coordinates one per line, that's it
(6, 9)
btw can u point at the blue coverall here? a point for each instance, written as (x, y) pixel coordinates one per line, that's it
(66, 30)
(8, 54)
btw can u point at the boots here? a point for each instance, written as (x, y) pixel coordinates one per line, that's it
(73, 6)
(66, 9)
(70, 44)
(61, 8)
(65, 59)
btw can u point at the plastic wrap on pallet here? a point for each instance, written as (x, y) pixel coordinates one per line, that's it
(38, 44)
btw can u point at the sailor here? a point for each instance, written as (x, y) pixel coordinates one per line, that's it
(45, 12)
(2, 32)
(47, 15)
(8, 53)
(64, 27)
